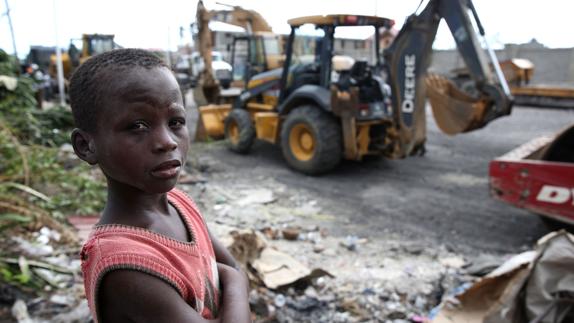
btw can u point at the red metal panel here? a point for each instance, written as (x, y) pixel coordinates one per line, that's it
(542, 187)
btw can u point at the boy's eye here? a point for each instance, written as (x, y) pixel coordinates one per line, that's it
(138, 125)
(177, 123)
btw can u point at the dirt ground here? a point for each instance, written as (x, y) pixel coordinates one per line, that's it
(441, 198)
(405, 232)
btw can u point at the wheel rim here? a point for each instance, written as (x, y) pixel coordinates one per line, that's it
(302, 142)
(233, 132)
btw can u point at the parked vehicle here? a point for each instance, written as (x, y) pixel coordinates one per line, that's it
(321, 108)
(257, 51)
(188, 68)
(538, 176)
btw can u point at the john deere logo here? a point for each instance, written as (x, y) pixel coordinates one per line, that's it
(408, 105)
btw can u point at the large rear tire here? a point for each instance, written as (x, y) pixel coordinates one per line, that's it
(311, 140)
(239, 131)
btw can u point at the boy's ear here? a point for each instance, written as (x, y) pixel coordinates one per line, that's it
(84, 146)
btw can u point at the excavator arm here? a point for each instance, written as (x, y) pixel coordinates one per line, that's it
(408, 59)
(208, 83)
(250, 20)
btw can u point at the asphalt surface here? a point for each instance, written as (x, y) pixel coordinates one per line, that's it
(441, 198)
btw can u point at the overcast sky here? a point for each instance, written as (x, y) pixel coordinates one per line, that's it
(155, 24)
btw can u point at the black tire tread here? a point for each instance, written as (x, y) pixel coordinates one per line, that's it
(327, 130)
(246, 130)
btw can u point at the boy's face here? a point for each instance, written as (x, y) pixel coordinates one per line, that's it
(141, 139)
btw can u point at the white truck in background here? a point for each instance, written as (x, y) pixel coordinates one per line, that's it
(189, 67)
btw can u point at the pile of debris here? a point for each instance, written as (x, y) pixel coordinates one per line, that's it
(41, 277)
(299, 272)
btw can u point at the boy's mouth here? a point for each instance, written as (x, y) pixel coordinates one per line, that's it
(167, 169)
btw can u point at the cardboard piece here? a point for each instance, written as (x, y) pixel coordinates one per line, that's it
(271, 267)
(521, 290)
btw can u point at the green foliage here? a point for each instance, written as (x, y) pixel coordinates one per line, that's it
(16, 108)
(55, 126)
(8, 64)
(72, 191)
(19, 111)
(8, 220)
(20, 275)
(49, 127)
(30, 155)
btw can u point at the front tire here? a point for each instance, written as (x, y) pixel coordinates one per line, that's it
(311, 140)
(239, 131)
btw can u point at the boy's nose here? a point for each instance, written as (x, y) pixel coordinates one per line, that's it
(164, 141)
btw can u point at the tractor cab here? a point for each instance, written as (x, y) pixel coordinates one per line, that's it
(254, 54)
(89, 45)
(314, 57)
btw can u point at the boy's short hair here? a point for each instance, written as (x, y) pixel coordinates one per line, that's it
(91, 82)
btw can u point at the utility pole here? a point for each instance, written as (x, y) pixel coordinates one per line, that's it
(11, 29)
(168, 52)
(60, 67)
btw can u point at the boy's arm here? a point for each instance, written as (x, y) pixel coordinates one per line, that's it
(128, 295)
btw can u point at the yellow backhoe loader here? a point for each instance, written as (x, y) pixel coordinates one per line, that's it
(92, 44)
(518, 73)
(257, 51)
(321, 107)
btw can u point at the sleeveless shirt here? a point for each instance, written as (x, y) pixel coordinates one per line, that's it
(189, 267)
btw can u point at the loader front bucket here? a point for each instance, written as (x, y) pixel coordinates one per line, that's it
(454, 111)
(212, 117)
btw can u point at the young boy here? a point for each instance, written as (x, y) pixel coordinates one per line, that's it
(150, 258)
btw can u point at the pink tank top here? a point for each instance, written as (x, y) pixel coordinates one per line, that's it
(189, 267)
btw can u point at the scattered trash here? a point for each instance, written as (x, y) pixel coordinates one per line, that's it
(318, 248)
(256, 196)
(452, 262)
(20, 312)
(60, 299)
(532, 286)
(33, 248)
(277, 269)
(46, 235)
(79, 313)
(246, 246)
(483, 264)
(279, 300)
(351, 242)
(270, 233)
(291, 233)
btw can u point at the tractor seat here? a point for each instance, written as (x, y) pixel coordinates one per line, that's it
(342, 63)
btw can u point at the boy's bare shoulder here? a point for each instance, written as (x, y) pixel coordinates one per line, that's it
(130, 295)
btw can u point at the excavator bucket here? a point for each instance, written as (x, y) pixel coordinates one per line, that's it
(454, 111)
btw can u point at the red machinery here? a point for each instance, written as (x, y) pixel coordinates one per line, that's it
(538, 176)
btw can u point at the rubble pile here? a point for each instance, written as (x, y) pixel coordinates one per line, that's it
(327, 278)
(41, 278)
